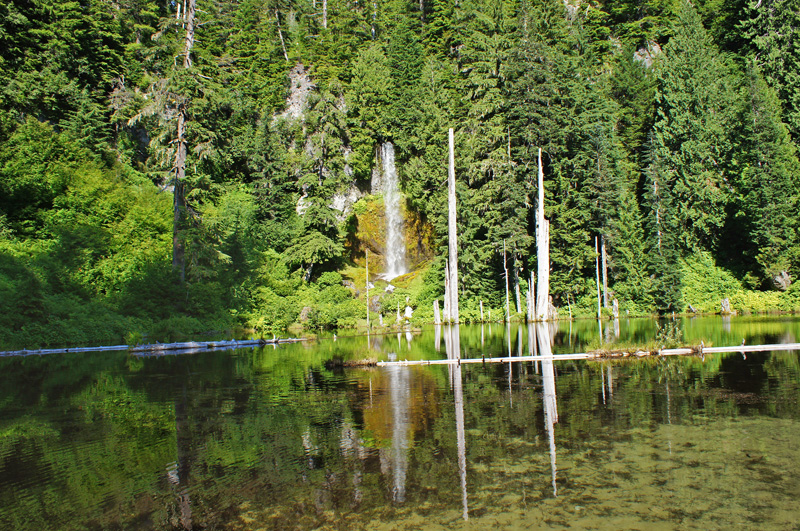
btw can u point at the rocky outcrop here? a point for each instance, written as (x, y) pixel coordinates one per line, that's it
(782, 281)
(343, 202)
(299, 90)
(647, 54)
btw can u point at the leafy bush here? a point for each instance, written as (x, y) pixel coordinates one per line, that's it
(704, 284)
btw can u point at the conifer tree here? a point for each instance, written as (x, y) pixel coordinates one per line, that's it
(691, 149)
(772, 30)
(768, 186)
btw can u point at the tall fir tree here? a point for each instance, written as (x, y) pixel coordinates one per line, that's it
(691, 149)
(768, 187)
(771, 29)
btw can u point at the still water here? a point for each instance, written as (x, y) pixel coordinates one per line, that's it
(281, 438)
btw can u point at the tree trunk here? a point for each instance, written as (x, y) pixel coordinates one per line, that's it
(374, 18)
(605, 270)
(597, 276)
(542, 253)
(189, 16)
(516, 286)
(452, 236)
(325, 14)
(280, 35)
(179, 201)
(505, 275)
(446, 292)
(531, 299)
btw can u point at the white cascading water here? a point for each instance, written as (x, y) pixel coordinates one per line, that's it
(400, 392)
(395, 252)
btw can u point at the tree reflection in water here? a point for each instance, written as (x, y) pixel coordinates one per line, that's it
(274, 439)
(550, 407)
(456, 382)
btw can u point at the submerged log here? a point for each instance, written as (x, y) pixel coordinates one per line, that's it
(337, 363)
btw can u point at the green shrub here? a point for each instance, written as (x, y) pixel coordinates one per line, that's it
(704, 284)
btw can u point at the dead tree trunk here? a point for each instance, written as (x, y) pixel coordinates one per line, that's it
(179, 201)
(531, 299)
(542, 253)
(280, 35)
(446, 292)
(605, 270)
(505, 275)
(189, 16)
(597, 276)
(516, 285)
(452, 236)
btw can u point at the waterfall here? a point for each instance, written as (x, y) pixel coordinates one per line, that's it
(395, 252)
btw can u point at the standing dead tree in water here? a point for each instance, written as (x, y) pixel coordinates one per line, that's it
(505, 275)
(452, 236)
(542, 253)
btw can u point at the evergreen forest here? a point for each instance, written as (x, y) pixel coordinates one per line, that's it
(174, 168)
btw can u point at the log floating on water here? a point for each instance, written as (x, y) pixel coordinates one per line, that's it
(43, 351)
(602, 354)
(210, 345)
(193, 346)
(337, 363)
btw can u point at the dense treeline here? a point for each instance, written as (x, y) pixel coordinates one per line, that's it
(669, 131)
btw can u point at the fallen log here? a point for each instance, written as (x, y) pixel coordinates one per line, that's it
(43, 351)
(337, 363)
(603, 354)
(212, 345)
(193, 346)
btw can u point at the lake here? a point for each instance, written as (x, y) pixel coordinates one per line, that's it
(285, 438)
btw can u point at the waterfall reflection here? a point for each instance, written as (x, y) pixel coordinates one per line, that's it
(353, 450)
(396, 459)
(550, 407)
